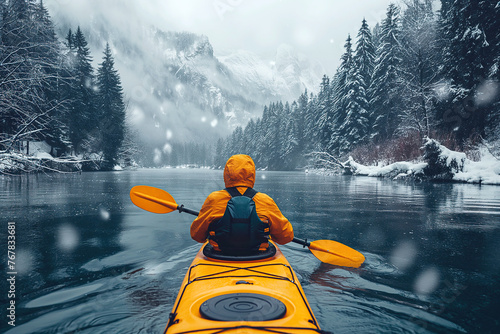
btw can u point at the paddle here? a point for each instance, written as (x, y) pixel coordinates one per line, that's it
(159, 201)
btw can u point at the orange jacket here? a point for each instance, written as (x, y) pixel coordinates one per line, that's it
(240, 172)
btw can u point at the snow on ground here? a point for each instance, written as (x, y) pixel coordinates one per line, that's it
(42, 155)
(402, 167)
(485, 171)
(18, 163)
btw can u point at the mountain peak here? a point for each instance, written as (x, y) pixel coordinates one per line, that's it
(284, 77)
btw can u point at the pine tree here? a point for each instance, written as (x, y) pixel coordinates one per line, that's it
(324, 115)
(376, 33)
(112, 109)
(384, 91)
(274, 137)
(470, 36)
(493, 34)
(299, 112)
(67, 91)
(259, 143)
(265, 137)
(340, 99)
(289, 150)
(341, 77)
(69, 41)
(364, 56)
(354, 130)
(420, 64)
(250, 138)
(288, 139)
(310, 131)
(219, 159)
(237, 141)
(83, 118)
(354, 127)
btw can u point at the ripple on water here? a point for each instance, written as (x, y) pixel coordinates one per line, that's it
(344, 301)
(63, 295)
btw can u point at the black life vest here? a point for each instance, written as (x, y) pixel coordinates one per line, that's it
(240, 230)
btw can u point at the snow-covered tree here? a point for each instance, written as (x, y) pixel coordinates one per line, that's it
(384, 91)
(83, 116)
(111, 109)
(47, 51)
(364, 56)
(15, 109)
(275, 135)
(469, 31)
(237, 141)
(324, 114)
(219, 158)
(249, 138)
(290, 146)
(299, 112)
(354, 130)
(376, 33)
(339, 100)
(28, 73)
(420, 61)
(310, 131)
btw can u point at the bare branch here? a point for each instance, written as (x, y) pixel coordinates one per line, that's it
(328, 161)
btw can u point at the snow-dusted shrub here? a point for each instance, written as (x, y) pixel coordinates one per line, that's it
(442, 163)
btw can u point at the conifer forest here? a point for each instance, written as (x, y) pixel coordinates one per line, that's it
(418, 73)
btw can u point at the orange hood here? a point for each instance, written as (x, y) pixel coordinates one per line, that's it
(239, 171)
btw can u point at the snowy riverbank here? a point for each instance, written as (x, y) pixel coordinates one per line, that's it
(19, 163)
(440, 163)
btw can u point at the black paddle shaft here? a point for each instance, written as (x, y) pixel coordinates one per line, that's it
(304, 243)
(181, 209)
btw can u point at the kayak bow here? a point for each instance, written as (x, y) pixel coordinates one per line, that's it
(256, 294)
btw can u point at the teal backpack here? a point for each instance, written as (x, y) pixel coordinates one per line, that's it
(240, 230)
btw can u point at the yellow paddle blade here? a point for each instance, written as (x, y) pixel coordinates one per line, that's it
(152, 199)
(335, 253)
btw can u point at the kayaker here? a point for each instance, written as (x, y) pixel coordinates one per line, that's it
(239, 175)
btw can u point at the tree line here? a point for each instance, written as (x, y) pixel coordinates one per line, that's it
(51, 92)
(417, 73)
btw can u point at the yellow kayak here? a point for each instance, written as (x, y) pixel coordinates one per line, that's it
(249, 294)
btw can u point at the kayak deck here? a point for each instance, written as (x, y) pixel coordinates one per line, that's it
(259, 296)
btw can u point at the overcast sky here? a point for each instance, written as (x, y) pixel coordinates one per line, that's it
(315, 28)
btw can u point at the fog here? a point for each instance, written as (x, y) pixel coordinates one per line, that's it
(316, 28)
(159, 102)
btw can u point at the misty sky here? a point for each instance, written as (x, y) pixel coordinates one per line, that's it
(315, 28)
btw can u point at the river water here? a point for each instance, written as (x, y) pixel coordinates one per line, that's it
(88, 261)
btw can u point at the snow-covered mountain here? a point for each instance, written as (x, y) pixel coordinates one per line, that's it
(284, 77)
(178, 90)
